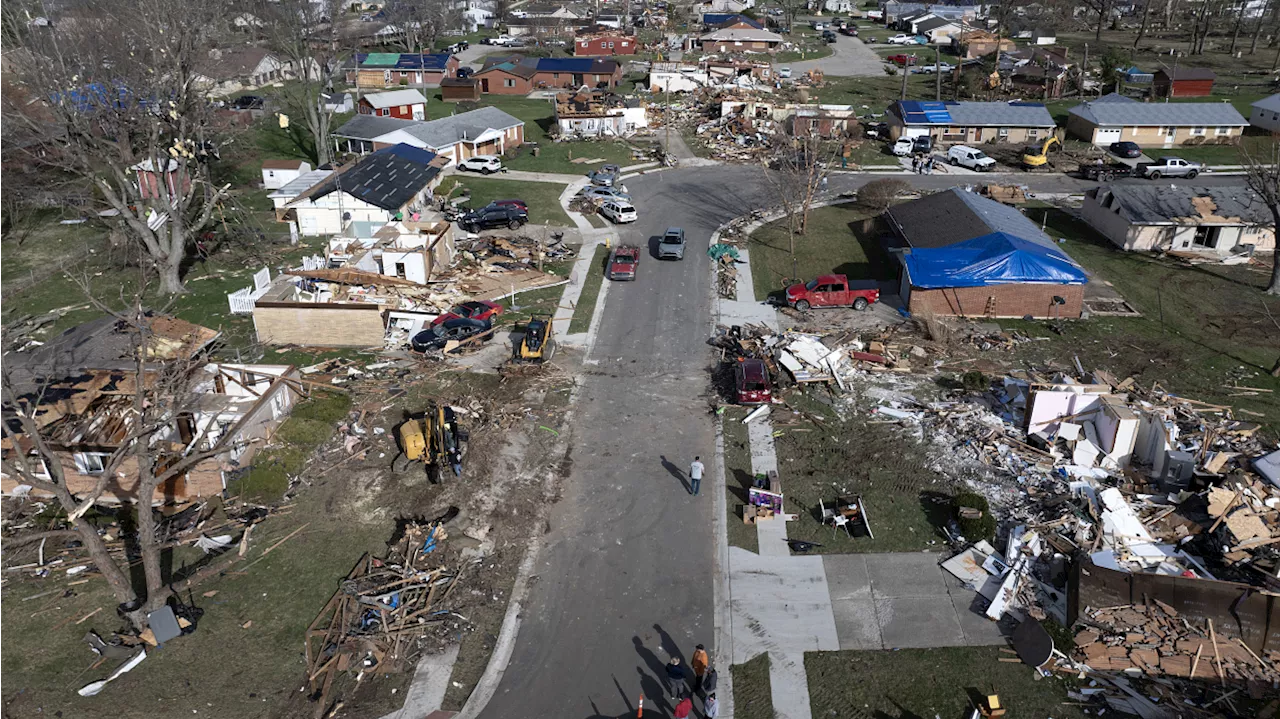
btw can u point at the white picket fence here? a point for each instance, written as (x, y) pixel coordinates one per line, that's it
(242, 300)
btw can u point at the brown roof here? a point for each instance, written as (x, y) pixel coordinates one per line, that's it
(282, 164)
(458, 82)
(1188, 73)
(233, 63)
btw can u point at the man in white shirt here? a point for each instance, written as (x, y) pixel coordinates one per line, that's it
(695, 475)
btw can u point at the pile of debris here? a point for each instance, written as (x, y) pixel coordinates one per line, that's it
(726, 259)
(806, 358)
(376, 622)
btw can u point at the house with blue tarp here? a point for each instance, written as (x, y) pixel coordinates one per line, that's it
(967, 255)
(970, 123)
(390, 69)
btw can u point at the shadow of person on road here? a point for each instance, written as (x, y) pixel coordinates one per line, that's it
(654, 692)
(676, 472)
(669, 645)
(656, 666)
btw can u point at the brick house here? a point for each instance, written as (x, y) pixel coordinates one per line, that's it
(1113, 118)
(963, 254)
(389, 69)
(604, 41)
(1183, 82)
(520, 76)
(400, 104)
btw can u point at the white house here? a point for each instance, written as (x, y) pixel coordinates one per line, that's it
(483, 131)
(278, 173)
(1265, 113)
(289, 192)
(676, 77)
(841, 7)
(394, 183)
(406, 250)
(1202, 220)
(592, 114)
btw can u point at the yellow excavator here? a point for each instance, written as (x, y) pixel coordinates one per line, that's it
(1033, 156)
(537, 345)
(433, 438)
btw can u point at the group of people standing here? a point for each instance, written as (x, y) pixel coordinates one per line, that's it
(704, 685)
(923, 164)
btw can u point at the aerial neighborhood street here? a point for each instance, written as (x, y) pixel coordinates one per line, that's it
(740, 358)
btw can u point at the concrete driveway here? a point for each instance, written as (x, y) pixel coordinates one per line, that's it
(852, 58)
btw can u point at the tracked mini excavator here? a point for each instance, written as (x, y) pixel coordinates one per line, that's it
(434, 439)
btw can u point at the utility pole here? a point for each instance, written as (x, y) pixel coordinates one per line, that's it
(905, 70)
(937, 72)
(666, 111)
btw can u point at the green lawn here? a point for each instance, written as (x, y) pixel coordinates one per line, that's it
(752, 689)
(737, 470)
(586, 306)
(873, 95)
(1203, 327)
(810, 47)
(919, 683)
(840, 238)
(543, 197)
(1208, 154)
(539, 119)
(904, 498)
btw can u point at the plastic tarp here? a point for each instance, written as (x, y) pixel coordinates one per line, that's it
(995, 259)
(720, 249)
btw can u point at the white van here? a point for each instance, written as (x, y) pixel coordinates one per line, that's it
(971, 158)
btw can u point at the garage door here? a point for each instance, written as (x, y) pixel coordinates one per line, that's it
(1106, 137)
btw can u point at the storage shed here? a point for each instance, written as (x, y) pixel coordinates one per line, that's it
(1184, 82)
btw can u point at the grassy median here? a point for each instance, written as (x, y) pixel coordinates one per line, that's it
(586, 306)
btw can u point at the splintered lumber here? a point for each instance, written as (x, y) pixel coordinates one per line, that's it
(1217, 657)
(1196, 663)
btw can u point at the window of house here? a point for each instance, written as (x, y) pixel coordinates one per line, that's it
(1206, 237)
(624, 43)
(91, 462)
(555, 76)
(1197, 131)
(508, 82)
(609, 44)
(1222, 131)
(953, 132)
(404, 109)
(1004, 132)
(1033, 133)
(384, 111)
(1168, 131)
(737, 43)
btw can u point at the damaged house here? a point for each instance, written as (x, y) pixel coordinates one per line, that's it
(394, 183)
(599, 114)
(483, 131)
(82, 387)
(963, 254)
(738, 39)
(1178, 218)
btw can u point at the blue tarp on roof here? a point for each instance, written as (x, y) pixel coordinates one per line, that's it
(406, 61)
(921, 112)
(995, 259)
(565, 64)
(727, 18)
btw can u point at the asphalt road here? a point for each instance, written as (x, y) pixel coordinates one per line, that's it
(850, 58)
(627, 571)
(626, 575)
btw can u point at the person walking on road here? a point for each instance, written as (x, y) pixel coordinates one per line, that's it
(824, 184)
(711, 709)
(675, 677)
(695, 475)
(699, 665)
(709, 681)
(684, 710)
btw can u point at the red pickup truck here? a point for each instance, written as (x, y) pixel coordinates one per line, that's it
(623, 262)
(833, 291)
(902, 60)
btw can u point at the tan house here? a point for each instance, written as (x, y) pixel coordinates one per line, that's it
(1113, 118)
(739, 39)
(955, 123)
(1178, 218)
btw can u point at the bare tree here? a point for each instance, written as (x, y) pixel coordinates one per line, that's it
(306, 35)
(1142, 29)
(1261, 160)
(420, 23)
(115, 99)
(160, 396)
(1103, 9)
(802, 160)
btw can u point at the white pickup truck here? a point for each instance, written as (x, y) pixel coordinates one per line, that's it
(1170, 167)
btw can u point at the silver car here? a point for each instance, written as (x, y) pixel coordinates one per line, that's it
(606, 193)
(671, 246)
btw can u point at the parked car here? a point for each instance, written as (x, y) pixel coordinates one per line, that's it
(751, 382)
(922, 143)
(484, 164)
(849, 31)
(875, 130)
(1170, 167)
(595, 192)
(458, 47)
(605, 176)
(437, 336)
(464, 72)
(901, 60)
(902, 40)
(969, 157)
(1126, 149)
(671, 246)
(618, 211)
(828, 36)
(494, 216)
(479, 310)
(819, 26)
(247, 102)
(833, 291)
(784, 72)
(623, 262)
(505, 40)
(903, 146)
(936, 67)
